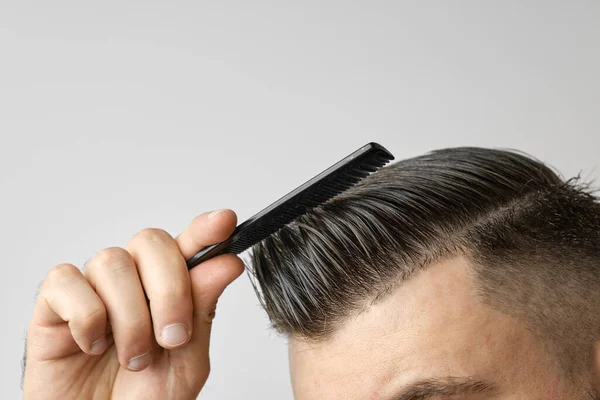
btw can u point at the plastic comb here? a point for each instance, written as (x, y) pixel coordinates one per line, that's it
(323, 187)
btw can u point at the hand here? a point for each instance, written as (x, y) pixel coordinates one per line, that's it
(94, 335)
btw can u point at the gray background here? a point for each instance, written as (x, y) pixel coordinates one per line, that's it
(115, 116)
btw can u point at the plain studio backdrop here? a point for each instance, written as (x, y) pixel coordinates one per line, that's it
(115, 116)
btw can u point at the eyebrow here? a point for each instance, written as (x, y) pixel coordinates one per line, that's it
(445, 387)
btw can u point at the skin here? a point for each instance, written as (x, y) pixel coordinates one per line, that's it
(89, 329)
(73, 308)
(431, 327)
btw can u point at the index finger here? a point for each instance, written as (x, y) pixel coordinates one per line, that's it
(205, 230)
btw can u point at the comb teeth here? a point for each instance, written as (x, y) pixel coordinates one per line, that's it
(311, 197)
(320, 189)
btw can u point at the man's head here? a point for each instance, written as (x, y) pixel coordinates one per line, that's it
(465, 273)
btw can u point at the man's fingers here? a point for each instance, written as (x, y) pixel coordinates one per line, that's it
(113, 274)
(166, 280)
(206, 229)
(209, 280)
(66, 296)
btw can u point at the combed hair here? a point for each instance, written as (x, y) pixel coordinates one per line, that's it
(532, 238)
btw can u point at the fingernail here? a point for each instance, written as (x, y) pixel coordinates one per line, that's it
(175, 335)
(212, 214)
(140, 362)
(99, 346)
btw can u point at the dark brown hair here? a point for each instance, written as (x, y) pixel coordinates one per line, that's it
(532, 238)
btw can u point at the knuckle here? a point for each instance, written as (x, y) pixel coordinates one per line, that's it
(114, 258)
(210, 314)
(206, 315)
(90, 317)
(136, 331)
(132, 328)
(60, 272)
(153, 235)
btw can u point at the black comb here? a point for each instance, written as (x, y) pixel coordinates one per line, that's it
(313, 193)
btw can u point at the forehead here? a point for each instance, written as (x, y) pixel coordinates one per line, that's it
(432, 325)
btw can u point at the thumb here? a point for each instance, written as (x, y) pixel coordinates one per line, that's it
(208, 281)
